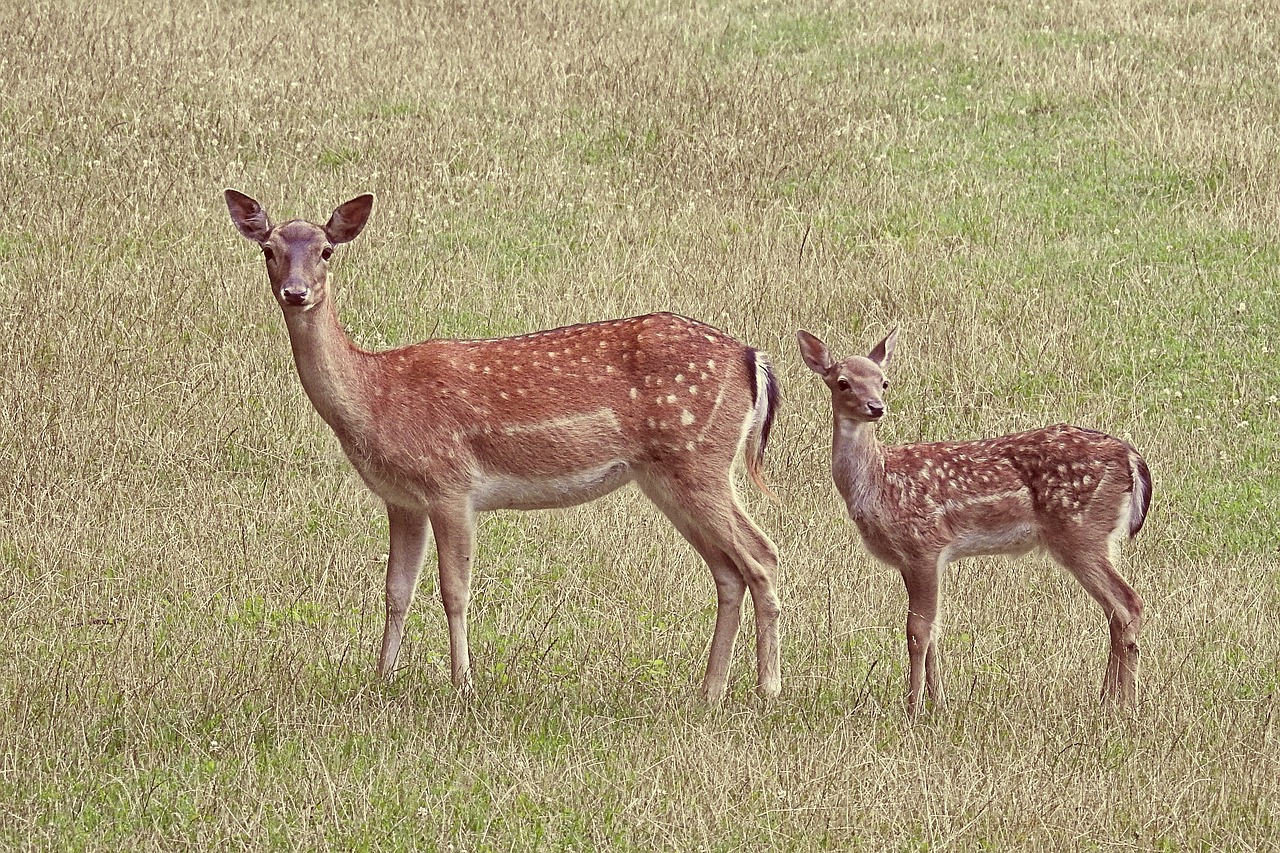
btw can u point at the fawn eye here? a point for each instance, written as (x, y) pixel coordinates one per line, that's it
(326, 253)
(268, 254)
(843, 384)
(886, 385)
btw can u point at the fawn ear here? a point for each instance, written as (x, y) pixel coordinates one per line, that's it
(884, 350)
(249, 217)
(814, 352)
(348, 219)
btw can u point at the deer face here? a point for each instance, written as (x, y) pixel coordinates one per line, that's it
(857, 383)
(297, 253)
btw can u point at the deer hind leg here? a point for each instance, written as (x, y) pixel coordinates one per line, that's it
(408, 545)
(924, 666)
(455, 543)
(730, 590)
(1092, 567)
(741, 558)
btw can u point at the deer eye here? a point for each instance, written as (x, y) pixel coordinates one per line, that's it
(843, 384)
(268, 254)
(326, 253)
(886, 385)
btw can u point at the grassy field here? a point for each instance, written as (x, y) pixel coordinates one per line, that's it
(1069, 209)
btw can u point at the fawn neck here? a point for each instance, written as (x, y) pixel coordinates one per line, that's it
(857, 465)
(332, 369)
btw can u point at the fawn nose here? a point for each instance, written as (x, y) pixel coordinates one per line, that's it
(875, 409)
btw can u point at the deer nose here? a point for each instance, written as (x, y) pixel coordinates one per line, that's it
(294, 293)
(875, 409)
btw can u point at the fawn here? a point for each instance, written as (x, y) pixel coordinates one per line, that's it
(1072, 491)
(445, 429)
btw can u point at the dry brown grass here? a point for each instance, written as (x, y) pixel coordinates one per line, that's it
(1068, 208)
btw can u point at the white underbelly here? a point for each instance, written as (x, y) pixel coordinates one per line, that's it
(1012, 540)
(524, 491)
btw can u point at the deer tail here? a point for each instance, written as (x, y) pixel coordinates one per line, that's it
(1140, 502)
(766, 397)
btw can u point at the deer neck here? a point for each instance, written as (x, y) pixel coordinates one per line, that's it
(857, 466)
(332, 369)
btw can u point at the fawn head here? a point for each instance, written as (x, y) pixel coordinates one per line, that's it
(856, 383)
(297, 253)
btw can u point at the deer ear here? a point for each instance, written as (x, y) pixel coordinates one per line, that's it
(348, 219)
(814, 352)
(884, 350)
(249, 217)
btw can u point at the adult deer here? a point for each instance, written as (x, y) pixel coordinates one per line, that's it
(1074, 492)
(445, 429)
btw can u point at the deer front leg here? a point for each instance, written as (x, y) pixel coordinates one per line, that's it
(922, 656)
(408, 545)
(455, 542)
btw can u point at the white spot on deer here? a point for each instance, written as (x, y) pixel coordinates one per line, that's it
(609, 369)
(679, 378)
(688, 445)
(671, 398)
(711, 362)
(693, 390)
(635, 392)
(686, 418)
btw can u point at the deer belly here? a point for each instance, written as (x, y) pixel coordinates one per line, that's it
(500, 490)
(1013, 539)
